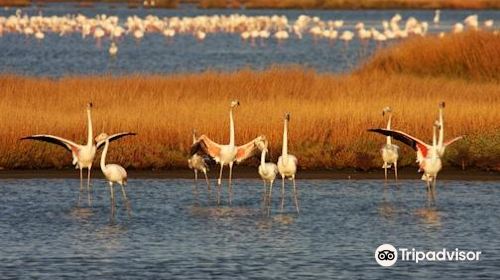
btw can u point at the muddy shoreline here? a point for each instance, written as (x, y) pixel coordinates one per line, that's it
(408, 173)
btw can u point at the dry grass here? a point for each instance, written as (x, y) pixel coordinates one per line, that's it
(471, 55)
(330, 113)
(15, 3)
(352, 4)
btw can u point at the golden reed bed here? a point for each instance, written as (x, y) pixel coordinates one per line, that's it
(330, 115)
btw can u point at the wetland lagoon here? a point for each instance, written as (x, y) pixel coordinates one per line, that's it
(162, 86)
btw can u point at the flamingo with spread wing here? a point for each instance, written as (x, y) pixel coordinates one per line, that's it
(83, 155)
(226, 154)
(428, 156)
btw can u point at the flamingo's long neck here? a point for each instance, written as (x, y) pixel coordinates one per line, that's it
(231, 128)
(194, 137)
(90, 139)
(388, 138)
(284, 152)
(103, 156)
(441, 128)
(263, 157)
(434, 143)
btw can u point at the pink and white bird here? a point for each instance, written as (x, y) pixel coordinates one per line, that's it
(114, 173)
(83, 155)
(226, 154)
(390, 152)
(287, 166)
(198, 163)
(267, 170)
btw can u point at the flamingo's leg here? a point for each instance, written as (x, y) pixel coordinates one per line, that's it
(385, 171)
(295, 195)
(206, 179)
(195, 181)
(125, 199)
(88, 185)
(270, 196)
(81, 185)
(282, 192)
(230, 187)
(112, 198)
(264, 195)
(219, 184)
(434, 179)
(396, 169)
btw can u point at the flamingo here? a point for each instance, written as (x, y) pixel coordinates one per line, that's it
(226, 154)
(114, 173)
(83, 155)
(287, 166)
(390, 152)
(113, 49)
(267, 171)
(436, 17)
(489, 23)
(198, 163)
(427, 155)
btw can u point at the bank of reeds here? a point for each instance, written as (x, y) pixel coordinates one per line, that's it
(471, 56)
(329, 113)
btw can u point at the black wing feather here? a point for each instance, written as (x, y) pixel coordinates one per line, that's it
(114, 137)
(48, 140)
(200, 148)
(396, 135)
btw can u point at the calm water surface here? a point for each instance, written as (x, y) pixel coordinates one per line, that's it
(71, 55)
(173, 233)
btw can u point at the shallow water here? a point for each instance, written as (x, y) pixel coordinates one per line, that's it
(173, 233)
(71, 55)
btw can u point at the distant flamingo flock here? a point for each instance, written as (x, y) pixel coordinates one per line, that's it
(251, 29)
(204, 150)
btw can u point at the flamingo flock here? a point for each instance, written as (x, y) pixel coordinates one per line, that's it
(204, 150)
(249, 28)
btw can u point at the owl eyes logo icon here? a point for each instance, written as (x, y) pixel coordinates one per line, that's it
(386, 255)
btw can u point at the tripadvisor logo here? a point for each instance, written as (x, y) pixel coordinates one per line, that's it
(387, 255)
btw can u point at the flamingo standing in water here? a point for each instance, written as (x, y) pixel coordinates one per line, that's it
(390, 152)
(83, 155)
(114, 173)
(287, 166)
(226, 154)
(428, 156)
(198, 163)
(267, 171)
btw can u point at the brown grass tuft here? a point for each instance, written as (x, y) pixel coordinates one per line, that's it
(471, 55)
(330, 115)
